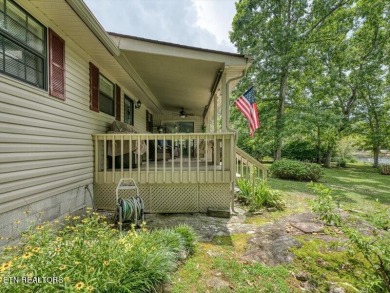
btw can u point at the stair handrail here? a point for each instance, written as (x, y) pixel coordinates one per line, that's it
(252, 161)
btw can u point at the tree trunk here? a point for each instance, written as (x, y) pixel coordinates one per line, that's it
(376, 156)
(328, 158)
(280, 115)
(318, 145)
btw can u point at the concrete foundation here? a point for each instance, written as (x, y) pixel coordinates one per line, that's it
(12, 223)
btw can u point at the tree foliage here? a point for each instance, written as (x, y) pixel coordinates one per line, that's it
(320, 71)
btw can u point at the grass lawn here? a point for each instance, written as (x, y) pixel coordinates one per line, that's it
(358, 186)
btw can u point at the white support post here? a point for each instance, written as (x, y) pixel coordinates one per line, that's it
(224, 103)
(215, 100)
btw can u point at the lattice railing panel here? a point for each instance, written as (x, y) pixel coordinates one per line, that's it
(169, 198)
(214, 196)
(104, 195)
(144, 191)
(174, 198)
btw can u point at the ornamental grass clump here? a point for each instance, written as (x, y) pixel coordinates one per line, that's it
(295, 170)
(257, 194)
(89, 255)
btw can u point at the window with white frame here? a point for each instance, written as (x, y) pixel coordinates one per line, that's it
(22, 45)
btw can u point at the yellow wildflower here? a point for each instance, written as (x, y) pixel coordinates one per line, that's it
(77, 262)
(57, 249)
(90, 288)
(27, 255)
(66, 279)
(58, 239)
(39, 227)
(62, 267)
(30, 275)
(36, 249)
(22, 267)
(17, 222)
(79, 286)
(106, 262)
(6, 265)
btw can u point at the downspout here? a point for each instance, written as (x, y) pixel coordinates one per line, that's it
(233, 162)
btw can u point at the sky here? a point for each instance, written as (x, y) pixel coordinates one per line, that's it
(199, 23)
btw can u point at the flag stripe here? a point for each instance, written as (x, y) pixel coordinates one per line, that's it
(247, 106)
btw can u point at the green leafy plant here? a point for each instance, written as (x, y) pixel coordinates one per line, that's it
(87, 254)
(295, 170)
(325, 205)
(384, 169)
(342, 163)
(246, 188)
(265, 196)
(257, 194)
(376, 250)
(380, 217)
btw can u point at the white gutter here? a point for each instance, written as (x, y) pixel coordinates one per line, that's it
(93, 24)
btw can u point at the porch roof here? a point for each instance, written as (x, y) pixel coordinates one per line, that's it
(176, 75)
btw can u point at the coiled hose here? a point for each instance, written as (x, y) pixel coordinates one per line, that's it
(132, 209)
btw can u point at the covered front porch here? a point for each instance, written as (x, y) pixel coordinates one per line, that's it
(177, 170)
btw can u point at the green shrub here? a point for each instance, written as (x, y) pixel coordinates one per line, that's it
(376, 250)
(384, 169)
(325, 205)
(257, 194)
(342, 163)
(303, 151)
(294, 170)
(89, 255)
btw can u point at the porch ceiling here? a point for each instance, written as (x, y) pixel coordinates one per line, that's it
(178, 76)
(176, 82)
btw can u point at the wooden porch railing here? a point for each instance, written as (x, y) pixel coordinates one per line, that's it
(165, 158)
(247, 166)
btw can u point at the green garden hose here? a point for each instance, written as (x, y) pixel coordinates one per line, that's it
(132, 209)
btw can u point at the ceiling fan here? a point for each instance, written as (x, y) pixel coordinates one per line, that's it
(183, 114)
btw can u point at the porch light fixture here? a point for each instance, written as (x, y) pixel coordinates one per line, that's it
(138, 104)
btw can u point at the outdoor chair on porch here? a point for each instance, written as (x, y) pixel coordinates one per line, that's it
(160, 150)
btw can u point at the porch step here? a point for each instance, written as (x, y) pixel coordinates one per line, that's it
(218, 213)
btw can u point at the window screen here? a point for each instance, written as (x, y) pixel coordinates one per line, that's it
(106, 96)
(22, 45)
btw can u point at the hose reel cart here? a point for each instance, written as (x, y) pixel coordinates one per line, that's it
(131, 208)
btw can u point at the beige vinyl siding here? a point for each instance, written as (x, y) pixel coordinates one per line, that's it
(45, 143)
(140, 118)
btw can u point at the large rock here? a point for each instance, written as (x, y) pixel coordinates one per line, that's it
(271, 246)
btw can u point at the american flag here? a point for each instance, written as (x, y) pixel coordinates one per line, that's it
(247, 105)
